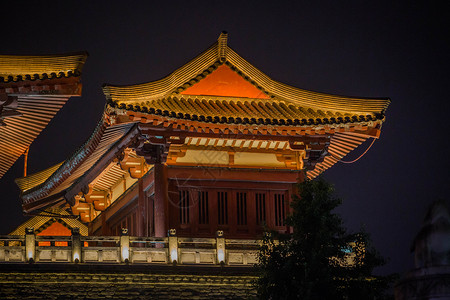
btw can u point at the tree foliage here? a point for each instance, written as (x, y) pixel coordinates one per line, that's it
(319, 259)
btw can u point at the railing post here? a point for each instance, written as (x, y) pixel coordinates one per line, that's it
(173, 246)
(76, 245)
(124, 246)
(220, 243)
(30, 245)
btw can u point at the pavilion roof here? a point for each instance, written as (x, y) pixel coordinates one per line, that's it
(220, 58)
(14, 68)
(49, 216)
(32, 90)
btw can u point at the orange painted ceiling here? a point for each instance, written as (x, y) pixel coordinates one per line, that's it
(225, 82)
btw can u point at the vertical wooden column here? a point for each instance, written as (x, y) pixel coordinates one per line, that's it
(105, 229)
(161, 200)
(151, 215)
(142, 210)
(25, 162)
(301, 176)
(290, 210)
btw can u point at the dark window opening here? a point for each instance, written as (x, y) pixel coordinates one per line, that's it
(222, 208)
(241, 200)
(184, 207)
(279, 210)
(260, 208)
(203, 213)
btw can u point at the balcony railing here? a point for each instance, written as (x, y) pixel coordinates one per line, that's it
(126, 249)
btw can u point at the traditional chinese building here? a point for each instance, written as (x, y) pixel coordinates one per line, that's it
(215, 145)
(32, 90)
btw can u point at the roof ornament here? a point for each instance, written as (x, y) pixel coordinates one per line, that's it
(222, 46)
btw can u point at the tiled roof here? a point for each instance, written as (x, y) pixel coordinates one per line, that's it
(33, 103)
(26, 183)
(341, 144)
(102, 140)
(19, 132)
(245, 111)
(15, 68)
(220, 54)
(38, 221)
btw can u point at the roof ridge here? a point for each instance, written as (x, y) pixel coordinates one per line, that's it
(222, 46)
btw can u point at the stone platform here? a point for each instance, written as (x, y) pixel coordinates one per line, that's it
(81, 281)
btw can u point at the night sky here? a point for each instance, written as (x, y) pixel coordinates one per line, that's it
(381, 49)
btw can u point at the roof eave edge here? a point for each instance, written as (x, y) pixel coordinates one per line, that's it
(67, 168)
(106, 159)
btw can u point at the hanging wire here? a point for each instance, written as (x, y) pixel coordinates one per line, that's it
(358, 158)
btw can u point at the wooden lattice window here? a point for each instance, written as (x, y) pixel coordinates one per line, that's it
(203, 213)
(183, 206)
(241, 201)
(222, 208)
(260, 208)
(279, 210)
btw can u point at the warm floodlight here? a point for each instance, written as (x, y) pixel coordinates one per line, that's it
(76, 245)
(30, 244)
(220, 243)
(125, 246)
(173, 246)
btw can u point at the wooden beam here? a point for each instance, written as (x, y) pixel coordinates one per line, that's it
(70, 86)
(42, 203)
(142, 210)
(161, 200)
(149, 130)
(232, 174)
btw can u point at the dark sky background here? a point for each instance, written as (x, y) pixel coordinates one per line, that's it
(378, 49)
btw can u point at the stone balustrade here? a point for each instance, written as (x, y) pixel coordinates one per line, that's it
(126, 249)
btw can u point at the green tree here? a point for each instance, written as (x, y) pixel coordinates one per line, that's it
(313, 262)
